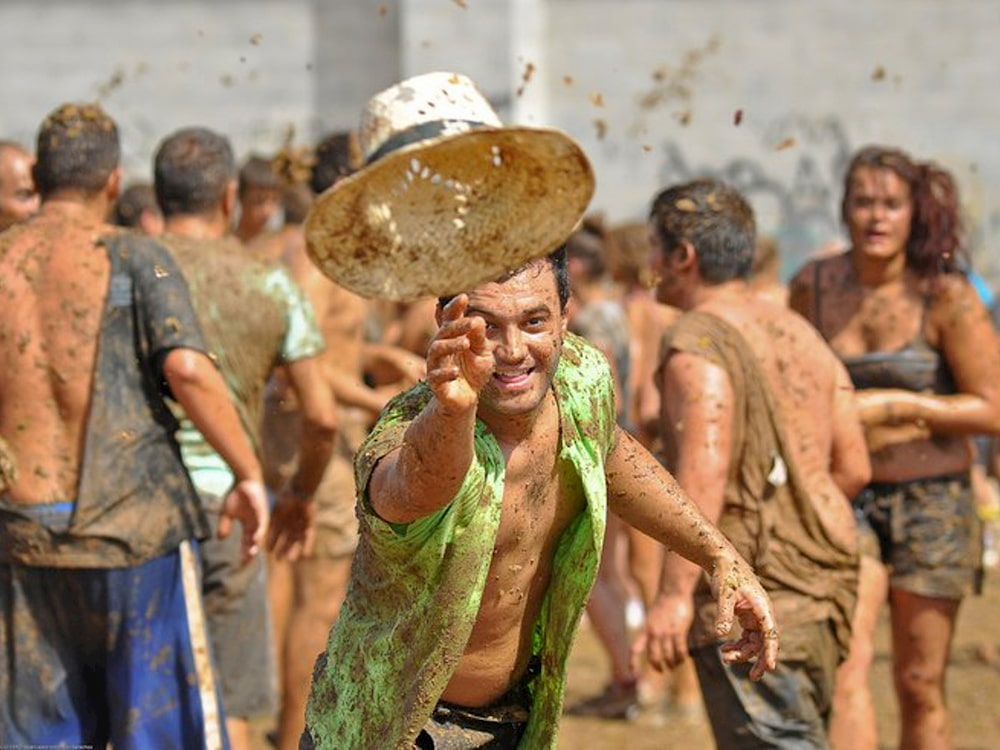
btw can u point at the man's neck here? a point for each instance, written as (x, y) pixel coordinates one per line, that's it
(511, 430)
(706, 294)
(196, 227)
(86, 209)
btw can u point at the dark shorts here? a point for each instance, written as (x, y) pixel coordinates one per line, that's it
(239, 625)
(788, 708)
(926, 531)
(495, 727)
(119, 655)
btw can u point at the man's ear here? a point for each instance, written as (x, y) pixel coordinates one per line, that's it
(114, 184)
(685, 257)
(229, 199)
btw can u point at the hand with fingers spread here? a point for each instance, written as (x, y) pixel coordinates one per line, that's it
(459, 359)
(740, 596)
(246, 503)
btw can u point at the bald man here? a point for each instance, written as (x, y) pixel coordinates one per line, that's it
(18, 198)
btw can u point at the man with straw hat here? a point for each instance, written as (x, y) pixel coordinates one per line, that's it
(482, 491)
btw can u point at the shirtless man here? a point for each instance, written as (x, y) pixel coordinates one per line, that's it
(102, 636)
(307, 593)
(760, 427)
(18, 197)
(482, 499)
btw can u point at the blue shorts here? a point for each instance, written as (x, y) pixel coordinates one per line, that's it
(119, 655)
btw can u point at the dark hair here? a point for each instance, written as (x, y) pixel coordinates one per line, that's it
(588, 245)
(191, 170)
(296, 200)
(557, 259)
(715, 219)
(134, 199)
(934, 245)
(337, 156)
(258, 171)
(77, 149)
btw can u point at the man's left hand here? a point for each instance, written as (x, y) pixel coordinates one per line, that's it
(740, 596)
(246, 503)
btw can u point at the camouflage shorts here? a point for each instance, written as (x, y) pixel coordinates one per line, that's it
(926, 531)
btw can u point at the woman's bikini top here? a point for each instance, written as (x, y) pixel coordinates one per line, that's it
(916, 367)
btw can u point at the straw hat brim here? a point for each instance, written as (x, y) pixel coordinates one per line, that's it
(442, 216)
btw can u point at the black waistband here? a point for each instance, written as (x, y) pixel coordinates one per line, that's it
(955, 476)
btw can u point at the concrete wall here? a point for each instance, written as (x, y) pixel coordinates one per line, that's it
(651, 88)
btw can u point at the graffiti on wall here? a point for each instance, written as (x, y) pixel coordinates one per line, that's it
(801, 209)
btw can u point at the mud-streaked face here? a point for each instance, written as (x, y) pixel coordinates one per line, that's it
(526, 324)
(879, 212)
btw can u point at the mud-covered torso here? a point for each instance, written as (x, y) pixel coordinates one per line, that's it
(886, 340)
(542, 495)
(133, 499)
(53, 279)
(781, 508)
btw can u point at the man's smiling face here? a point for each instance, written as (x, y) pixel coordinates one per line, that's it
(526, 323)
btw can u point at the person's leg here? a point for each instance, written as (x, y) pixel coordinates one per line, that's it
(320, 586)
(922, 629)
(607, 603)
(319, 583)
(239, 627)
(162, 687)
(46, 696)
(785, 710)
(645, 563)
(606, 613)
(853, 726)
(933, 567)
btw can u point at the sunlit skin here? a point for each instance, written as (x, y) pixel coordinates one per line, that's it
(494, 358)
(869, 300)
(18, 198)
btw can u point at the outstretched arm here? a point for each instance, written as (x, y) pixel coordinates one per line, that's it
(697, 413)
(200, 390)
(427, 470)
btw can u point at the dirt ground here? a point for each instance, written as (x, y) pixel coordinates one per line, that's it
(973, 692)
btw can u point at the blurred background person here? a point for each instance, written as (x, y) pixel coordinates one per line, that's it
(136, 207)
(260, 190)
(910, 329)
(18, 197)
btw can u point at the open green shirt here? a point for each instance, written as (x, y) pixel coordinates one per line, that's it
(415, 590)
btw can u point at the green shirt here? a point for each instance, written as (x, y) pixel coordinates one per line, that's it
(415, 589)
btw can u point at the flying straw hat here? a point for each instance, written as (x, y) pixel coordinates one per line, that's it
(448, 198)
